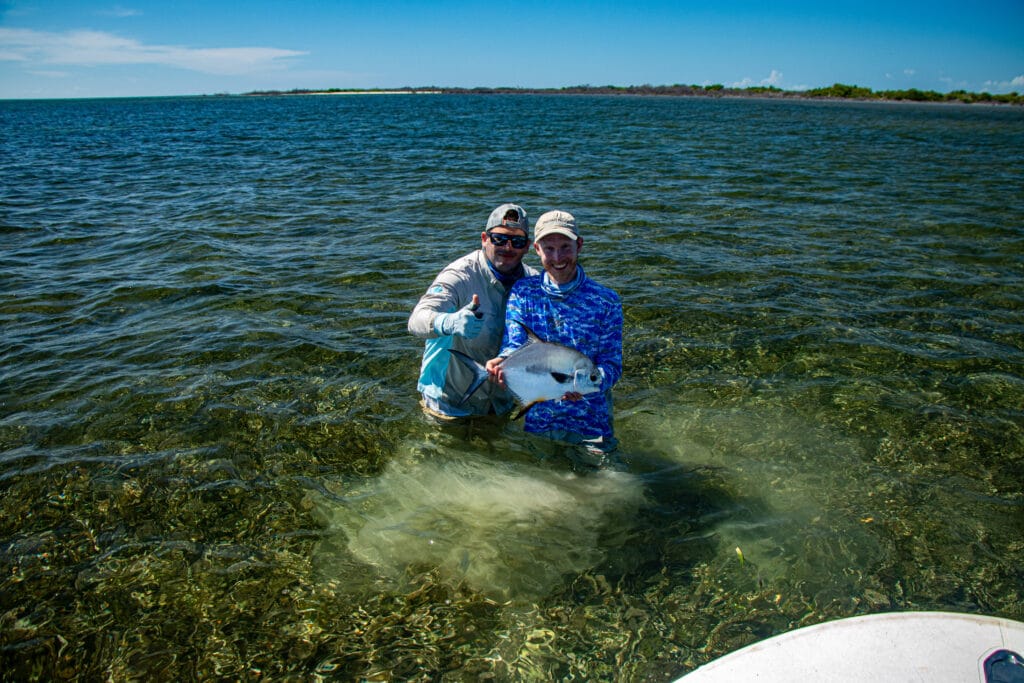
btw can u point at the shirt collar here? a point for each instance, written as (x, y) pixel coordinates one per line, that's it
(506, 280)
(558, 291)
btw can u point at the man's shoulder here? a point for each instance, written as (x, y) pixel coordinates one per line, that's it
(595, 289)
(462, 267)
(472, 260)
(529, 282)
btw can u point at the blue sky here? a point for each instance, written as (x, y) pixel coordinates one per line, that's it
(81, 48)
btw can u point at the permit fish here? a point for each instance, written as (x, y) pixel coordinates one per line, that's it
(538, 371)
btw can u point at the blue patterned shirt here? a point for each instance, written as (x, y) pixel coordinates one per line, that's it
(588, 318)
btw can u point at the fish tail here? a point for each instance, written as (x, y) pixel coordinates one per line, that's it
(479, 374)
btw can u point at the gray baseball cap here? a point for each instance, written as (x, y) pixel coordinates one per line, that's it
(497, 218)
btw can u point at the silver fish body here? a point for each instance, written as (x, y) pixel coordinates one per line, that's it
(539, 371)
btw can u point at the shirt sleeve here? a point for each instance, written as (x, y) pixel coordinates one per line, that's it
(609, 356)
(514, 335)
(440, 297)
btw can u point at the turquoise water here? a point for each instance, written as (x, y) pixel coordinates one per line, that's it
(212, 460)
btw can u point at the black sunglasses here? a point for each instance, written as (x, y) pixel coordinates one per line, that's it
(499, 240)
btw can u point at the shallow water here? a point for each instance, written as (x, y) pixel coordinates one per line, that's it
(212, 460)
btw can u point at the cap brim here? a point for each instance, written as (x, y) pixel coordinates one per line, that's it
(556, 231)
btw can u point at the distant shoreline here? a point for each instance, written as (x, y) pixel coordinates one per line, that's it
(353, 92)
(837, 91)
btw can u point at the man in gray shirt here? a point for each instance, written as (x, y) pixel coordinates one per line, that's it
(464, 309)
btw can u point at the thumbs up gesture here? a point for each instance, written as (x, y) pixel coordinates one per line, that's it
(466, 322)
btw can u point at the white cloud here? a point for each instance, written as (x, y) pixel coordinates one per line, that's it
(773, 80)
(95, 48)
(50, 73)
(1014, 84)
(120, 12)
(11, 56)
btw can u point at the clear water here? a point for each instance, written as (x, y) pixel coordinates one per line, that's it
(212, 461)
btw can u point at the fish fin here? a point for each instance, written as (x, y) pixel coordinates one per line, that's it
(531, 337)
(561, 377)
(479, 374)
(523, 410)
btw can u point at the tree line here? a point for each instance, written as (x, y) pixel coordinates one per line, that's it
(841, 91)
(835, 91)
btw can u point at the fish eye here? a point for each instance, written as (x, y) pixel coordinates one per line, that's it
(593, 378)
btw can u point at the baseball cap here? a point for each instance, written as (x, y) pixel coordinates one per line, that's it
(497, 218)
(555, 222)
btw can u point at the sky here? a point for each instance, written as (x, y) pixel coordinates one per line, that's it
(96, 48)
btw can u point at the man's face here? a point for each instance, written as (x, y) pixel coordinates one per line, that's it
(558, 255)
(504, 257)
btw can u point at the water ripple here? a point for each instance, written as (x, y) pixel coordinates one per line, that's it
(207, 393)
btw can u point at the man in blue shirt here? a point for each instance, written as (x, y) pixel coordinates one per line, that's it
(565, 306)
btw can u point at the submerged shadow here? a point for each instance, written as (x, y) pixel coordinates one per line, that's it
(514, 517)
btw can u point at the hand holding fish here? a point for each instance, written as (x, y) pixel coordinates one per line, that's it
(496, 375)
(466, 322)
(537, 371)
(494, 372)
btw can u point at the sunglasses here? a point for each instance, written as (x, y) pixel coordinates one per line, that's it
(518, 241)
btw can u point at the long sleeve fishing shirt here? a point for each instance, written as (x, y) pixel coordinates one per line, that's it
(443, 378)
(586, 317)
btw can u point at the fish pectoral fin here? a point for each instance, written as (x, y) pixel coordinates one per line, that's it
(561, 377)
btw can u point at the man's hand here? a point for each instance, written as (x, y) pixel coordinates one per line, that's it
(494, 371)
(466, 322)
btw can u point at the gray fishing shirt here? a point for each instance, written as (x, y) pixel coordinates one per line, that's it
(443, 378)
